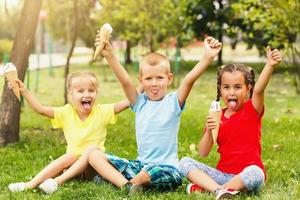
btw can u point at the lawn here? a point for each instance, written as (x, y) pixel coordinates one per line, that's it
(40, 144)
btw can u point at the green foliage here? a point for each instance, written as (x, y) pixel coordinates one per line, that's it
(61, 19)
(9, 23)
(39, 144)
(145, 22)
(5, 47)
(211, 17)
(271, 22)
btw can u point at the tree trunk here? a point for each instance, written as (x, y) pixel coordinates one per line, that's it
(23, 42)
(73, 42)
(5, 8)
(220, 34)
(128, 53)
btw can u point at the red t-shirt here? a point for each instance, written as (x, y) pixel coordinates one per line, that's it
(239, 140)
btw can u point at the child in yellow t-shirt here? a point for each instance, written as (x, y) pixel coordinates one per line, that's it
(84, 126)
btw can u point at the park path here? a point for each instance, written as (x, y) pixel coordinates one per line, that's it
(60, 59)
(57, 60)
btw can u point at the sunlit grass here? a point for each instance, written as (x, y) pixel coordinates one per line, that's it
(39, 144)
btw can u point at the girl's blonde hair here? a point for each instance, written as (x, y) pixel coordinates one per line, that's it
(91, 76)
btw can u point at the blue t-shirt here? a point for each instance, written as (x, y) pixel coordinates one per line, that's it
(157, 124)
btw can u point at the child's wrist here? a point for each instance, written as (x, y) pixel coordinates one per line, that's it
(109, 55)
(24, 91)
(268, 64)
(208, 58)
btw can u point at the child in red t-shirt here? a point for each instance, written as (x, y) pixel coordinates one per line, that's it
(240, 167)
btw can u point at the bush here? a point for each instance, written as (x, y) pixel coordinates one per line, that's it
(5, 47)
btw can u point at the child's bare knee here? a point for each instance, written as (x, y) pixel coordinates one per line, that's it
(90, 149)
(95, 155)
(70, 157)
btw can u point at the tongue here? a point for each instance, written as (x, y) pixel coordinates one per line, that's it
(232, 104)
(86, 106)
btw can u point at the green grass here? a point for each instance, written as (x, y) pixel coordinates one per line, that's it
(39, 144)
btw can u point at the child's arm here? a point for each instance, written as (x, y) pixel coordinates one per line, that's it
(34, 103)
(119, 71)
(273, 58)
(212, 48)
(121, 106)
(206, 141)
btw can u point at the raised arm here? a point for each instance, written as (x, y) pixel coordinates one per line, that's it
(212, 48)
(119, 71)
(34, 103)
(273, 58)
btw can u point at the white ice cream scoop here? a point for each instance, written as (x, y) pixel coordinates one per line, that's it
(105, 34)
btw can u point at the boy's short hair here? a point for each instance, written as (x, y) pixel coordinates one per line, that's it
(154, 59)
(90, 75)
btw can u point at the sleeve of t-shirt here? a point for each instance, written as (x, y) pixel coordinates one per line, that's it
(108, 113)
(141, 99)
(175, 103)
(250, 107)
(59, 116)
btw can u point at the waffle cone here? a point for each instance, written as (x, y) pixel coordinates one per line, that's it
(11, 77)
(216, 115)
(105, 35)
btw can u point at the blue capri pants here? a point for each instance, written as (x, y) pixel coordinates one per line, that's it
(252, 176)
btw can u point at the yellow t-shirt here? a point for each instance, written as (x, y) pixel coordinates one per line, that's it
(82, 134)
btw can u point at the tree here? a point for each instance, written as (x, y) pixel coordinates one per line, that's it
(140, 21)
(73, 23)
(10, 107)
(212, 18)
(272, 22)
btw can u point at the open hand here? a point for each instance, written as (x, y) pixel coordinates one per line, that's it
(274, 57)
(212, 47)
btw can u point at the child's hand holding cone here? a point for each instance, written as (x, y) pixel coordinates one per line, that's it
(102, 38)
(215, 114)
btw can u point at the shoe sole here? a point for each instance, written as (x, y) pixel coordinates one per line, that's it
(136, 189)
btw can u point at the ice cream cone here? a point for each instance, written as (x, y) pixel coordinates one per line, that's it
(11, 77)
(215, 112)
(105, 35)
(216, 115)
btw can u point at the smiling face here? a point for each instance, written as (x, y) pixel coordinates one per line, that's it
(83, 93)
(234, 90)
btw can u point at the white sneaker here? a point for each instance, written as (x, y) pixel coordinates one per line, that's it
(17, 187)
(49, 186)
(225, 193)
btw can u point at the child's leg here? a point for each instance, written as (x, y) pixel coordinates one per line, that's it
(251, 178)
(161, 177)
(78, 167)
(52, 170)
(207, 177)
(100, 163)
(202, 179)
(142, 178)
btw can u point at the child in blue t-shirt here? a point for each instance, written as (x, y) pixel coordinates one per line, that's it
(156, 121)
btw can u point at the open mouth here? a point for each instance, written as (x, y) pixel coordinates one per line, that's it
(232, 103)
(86, 104)
(154, 92)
